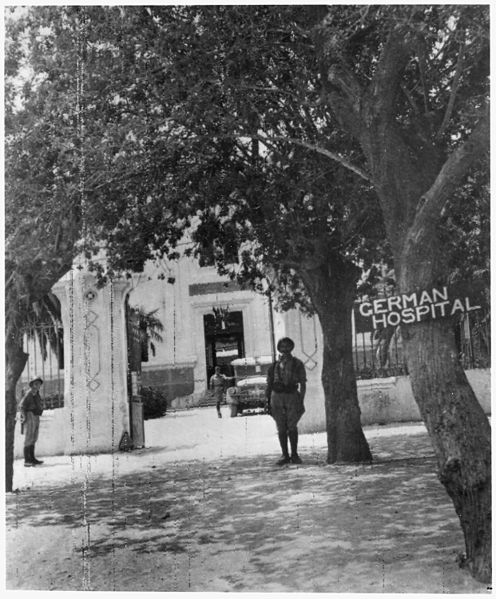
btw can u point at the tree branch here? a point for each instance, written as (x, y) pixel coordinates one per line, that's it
(454, 89)
(392, 62)
(315, 148)
(453, 171)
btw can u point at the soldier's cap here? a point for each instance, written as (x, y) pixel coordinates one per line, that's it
(35, 380)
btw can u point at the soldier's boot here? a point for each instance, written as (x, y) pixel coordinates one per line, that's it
(283, 441)
(33, 459)
(293, 440)
(27, 457)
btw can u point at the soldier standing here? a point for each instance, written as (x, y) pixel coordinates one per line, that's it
(286, 386)
(218, 385)
(31, 409)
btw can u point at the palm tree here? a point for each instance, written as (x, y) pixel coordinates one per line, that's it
(144, 328)
(43, 323)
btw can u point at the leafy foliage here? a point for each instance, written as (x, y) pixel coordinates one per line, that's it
(421, 73)
(467, 232)
(145, 329)
(189, 125)
(185, 106)
(154, 403)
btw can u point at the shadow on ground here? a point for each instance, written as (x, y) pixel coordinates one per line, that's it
(246, 525)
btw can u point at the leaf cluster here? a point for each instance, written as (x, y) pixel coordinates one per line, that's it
(136, 128)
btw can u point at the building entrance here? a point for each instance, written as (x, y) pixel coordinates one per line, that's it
(224, 341)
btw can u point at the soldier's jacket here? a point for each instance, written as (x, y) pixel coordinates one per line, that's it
(283, 377)
(31, 402)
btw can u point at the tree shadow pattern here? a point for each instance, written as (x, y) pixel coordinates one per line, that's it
(246, 525)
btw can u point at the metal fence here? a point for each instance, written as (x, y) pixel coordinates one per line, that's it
(44, 346)
(379, 353)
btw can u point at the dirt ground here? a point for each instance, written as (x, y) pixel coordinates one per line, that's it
(204, 508)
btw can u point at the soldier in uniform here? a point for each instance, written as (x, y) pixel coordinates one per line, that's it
(286, 386)
(31, 409)
(218, 384)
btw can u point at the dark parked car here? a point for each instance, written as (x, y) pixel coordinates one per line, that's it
(248, 393)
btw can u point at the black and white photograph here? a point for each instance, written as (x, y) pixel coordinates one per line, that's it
(247, 298)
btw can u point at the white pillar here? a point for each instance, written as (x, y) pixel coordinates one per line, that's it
(96, 407)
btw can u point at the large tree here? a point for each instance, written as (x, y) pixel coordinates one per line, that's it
(53, 170)
(198, 91)
(42, 208)
(165, 99)
(410, 84)
(288, 228)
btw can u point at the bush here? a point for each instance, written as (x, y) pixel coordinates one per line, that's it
(154, 403)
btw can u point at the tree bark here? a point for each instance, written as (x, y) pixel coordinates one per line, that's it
(459, 430)
(15, 361)
(332, 288)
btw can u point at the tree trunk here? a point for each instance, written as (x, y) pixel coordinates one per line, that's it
(332, 289)
(15, 362)
(459, 430)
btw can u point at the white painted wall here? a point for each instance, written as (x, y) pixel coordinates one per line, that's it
(96, 408)
(382, 401)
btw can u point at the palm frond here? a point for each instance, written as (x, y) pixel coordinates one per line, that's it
(44, 324)
(146, 326)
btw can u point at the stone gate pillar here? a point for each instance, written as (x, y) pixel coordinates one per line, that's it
(96, 404)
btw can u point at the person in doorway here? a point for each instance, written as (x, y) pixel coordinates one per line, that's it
(31, 409)
(286, 386)
(217, 387)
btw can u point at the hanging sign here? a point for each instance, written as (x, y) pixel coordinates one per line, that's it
(408, 308)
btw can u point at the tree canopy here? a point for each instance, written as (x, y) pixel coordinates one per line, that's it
(150, 111)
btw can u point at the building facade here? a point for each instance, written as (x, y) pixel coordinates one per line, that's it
(208, 321)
